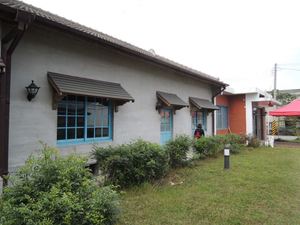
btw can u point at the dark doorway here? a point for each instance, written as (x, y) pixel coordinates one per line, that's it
(259, 127)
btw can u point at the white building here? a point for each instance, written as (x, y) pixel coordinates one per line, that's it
(93, 88)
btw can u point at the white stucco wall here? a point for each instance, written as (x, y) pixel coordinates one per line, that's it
(43, 50)
(249, 115)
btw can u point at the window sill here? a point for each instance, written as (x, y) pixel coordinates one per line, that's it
(82, 142)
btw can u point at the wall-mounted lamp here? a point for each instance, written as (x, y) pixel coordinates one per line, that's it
(32, 90)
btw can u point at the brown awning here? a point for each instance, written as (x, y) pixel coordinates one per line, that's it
(203, 104)
(71, 85)
(171, 99)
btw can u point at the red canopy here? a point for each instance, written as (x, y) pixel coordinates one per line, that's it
(292, 109)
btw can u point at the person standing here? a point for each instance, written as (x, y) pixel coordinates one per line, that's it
(199, 132)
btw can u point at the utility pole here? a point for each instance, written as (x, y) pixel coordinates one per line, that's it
(275, 81)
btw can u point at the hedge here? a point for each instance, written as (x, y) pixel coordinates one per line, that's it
(178, 149)
(131, 164)
(52, 190)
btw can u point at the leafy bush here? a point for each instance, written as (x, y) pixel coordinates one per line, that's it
(235, 138)
(208, 146)
(51, 189)
(235, 148)
(253, 142)
(178, 149)
(235, 141)
(132, 164)
(211, 146)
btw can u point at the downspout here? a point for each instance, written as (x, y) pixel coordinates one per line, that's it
(8, 44)
(213, 101)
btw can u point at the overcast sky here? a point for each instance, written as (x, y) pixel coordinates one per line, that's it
(238, 41)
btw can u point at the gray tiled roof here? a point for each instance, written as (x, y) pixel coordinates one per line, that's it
(70, 85)
(171, 99)
(48, 18)
(203, 103)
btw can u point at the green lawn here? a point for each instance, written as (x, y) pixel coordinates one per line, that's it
(262, 187)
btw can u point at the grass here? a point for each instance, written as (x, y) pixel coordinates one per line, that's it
(262, 187)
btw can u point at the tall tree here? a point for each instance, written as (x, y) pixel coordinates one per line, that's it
(284, 98)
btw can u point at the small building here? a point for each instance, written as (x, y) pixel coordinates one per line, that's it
(92, 88)
(244, 113)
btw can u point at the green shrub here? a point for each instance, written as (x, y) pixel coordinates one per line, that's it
(235, 141)
(208, 146)
(235, 148)
(235, 138)
(51, 189)
(132, 164)
(253, 142)
(101, 154)
(211, 146)
(222, 139)
(178, 149)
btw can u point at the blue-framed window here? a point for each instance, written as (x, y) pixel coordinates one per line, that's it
(83, 119)
(222, 118)
(166, 125)
(199, 117)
